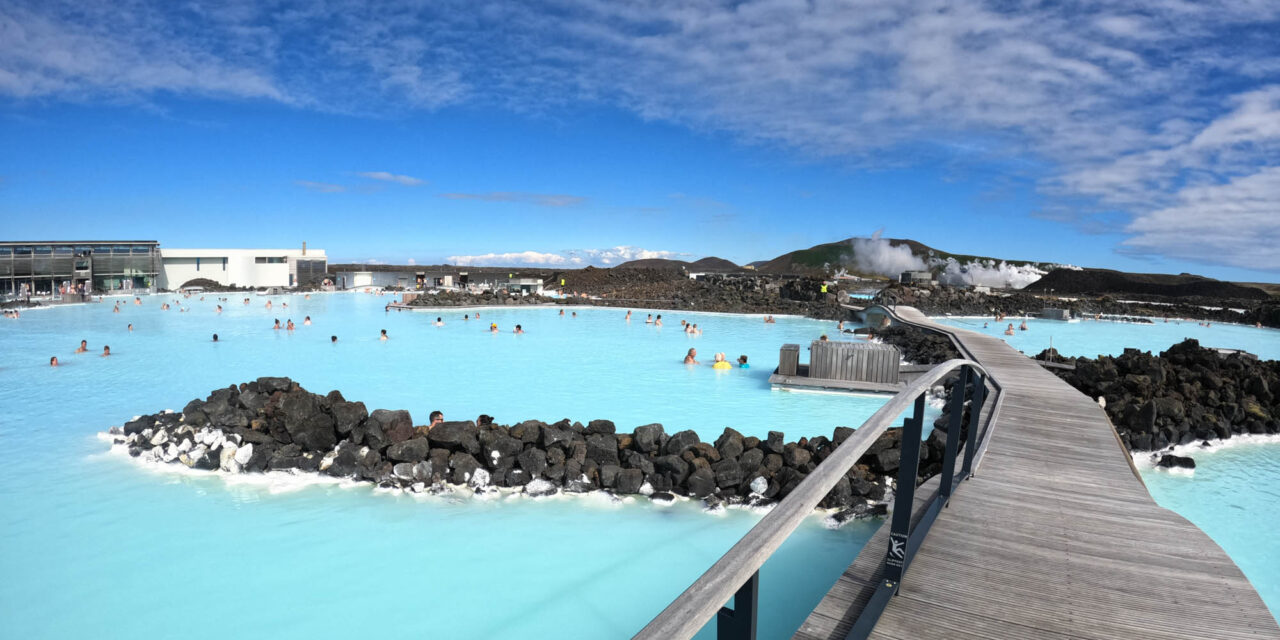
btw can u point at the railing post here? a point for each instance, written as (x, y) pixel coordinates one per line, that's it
(900, 528)
(953, 434)
(739, 623)
(975, 421)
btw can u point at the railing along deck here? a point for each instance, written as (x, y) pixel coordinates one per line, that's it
(736, 573)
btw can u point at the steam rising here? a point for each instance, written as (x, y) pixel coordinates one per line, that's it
(989, 273)
(876, 255)
(873, 255)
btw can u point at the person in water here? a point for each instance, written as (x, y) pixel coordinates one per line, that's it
(1009, 331)
(562, 313)
(822, 338)
(493, 327)
(658, 322)
(290, 326)
(518, 329)
(84, 346)
(130, 327)
(439, 321)
(691, 357)
(215, 337)
(219, 310)
(1023, 326)
(649, 320)
(742, 363)
(384, 335)
(333, 339)
(53, 362)
(720, 362)
(106, 350)
(628, 315)
(306, 322)
(276, 326)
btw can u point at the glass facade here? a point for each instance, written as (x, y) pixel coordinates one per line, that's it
(308, 273)
(51, 268)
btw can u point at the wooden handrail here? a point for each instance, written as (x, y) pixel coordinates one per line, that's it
(693, 608)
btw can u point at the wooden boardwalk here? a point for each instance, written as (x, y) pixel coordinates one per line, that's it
(1054, 537)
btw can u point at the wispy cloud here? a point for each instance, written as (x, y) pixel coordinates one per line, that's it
(540, 199)
(408, 181)
(513, 259)
(1235, 224)
(567, 258)
(1123, 108)
(322, 187)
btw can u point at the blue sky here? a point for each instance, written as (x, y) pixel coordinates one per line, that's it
(1141, 136)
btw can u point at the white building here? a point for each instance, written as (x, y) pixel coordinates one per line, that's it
(527, 286)
(243, 267)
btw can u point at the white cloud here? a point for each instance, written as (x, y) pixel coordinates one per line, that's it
(572, 258)
(620, 254)
(540, 199)
(322, 187)
(1236, 223)
(122, 52)
(511, 259)
(408, 181)
(411, 261)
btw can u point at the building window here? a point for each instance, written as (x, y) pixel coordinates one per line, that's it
(224, 264)
(262, 260)
(197, 264)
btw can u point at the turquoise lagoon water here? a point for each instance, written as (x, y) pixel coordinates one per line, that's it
(1234, 496)
(1089, 338)
(93, 543)
(1234, 493)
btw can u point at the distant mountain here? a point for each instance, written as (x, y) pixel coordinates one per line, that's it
(653, 263)
(710, 263)
(1106, 281)
(843, 254)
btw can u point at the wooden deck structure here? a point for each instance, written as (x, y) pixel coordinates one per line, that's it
(1054, 537)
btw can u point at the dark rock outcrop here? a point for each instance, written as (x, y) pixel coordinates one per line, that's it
(294, 430)
(1185, 394)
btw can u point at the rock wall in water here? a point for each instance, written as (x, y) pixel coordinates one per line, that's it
(1183, 395)
(274, 424)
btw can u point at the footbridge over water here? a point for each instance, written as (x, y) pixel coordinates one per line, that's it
(1045, 531)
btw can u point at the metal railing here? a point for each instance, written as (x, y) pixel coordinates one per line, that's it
(736, 573)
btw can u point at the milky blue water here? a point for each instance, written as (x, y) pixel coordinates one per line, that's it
(1234, 496)
(1234, 493)
(95, 544)
(1089, 338)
